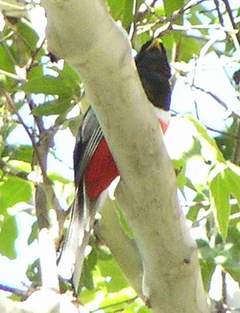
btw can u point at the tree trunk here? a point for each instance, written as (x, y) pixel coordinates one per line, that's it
(83, 33)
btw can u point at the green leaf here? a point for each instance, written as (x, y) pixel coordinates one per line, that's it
(14, 190)
(59, 106)
(233, 269)
(34, 233)
(144, 309)
(8, 235)
(207, 253)
(57, 177)
(189, 48)
(207, 270)
(109, 268)
(122, 10)
(206, 140)
(220, 198)
(122, 220)
(34, 273)
(6, 62)
(233, 252)
(73, 124)
(35, 72)
(7, 65)
(27, 33)
(233, 180)
(192, 213)
(48, 85)
(119, 303)
(181, 178)
(224, 181)
(70, 76)
(127, 13)
(140, 40)
(116, 7)
(20, 166)
(172, 6)
(21, 153)
(24, 43)
(88, 267)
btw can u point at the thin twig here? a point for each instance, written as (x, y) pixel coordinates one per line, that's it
(234, 35)
(128, 301)
(13, 6)
(229, 11)
(11, 75)
(211, 95)
(170, 20)
(236, 156)
(30, 135)
(167, 22)
(38, 119)
(165, 29)
(202, 218)
(34, 55)
(206, 203)
(224, 288)
(193, 82)
(219, 12)
(139, 16)
(18, 292)
(187, 6)
(221, 132)
(200, 26)
(31, 104)
(236, 39)
(8, 36)
(41, 150)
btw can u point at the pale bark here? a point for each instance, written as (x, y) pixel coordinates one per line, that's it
(82, 32)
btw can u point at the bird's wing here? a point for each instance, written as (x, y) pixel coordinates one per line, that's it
(82, 216)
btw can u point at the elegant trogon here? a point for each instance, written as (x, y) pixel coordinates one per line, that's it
(94, 166)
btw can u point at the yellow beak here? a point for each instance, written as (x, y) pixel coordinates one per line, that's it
(157, 43)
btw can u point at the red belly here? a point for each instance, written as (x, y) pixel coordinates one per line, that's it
(102, 169)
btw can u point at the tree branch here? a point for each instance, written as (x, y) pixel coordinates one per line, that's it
(111, 232)
(147, 191)
(41, 149)
(43, 196)
(13, 109)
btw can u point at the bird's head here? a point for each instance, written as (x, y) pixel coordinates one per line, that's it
(154, 71)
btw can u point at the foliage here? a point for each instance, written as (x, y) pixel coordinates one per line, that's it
(40, 99)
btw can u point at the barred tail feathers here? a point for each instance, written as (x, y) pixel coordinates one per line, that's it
(72, 241)
(79, 231)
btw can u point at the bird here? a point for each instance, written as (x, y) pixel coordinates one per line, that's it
(94, 165)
